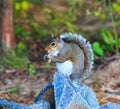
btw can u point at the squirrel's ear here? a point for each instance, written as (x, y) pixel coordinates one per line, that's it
(58, 39)
(52, 35)
(55, 37)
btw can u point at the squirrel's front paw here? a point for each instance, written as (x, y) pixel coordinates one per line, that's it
(47, 57)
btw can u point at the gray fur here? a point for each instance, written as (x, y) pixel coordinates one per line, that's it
(74, 50)
(85, 51)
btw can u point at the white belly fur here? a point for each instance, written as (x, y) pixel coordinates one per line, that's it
(65, 68)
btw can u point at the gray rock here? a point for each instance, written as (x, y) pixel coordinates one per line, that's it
(110, 106)
(68, 93)
(13, 105)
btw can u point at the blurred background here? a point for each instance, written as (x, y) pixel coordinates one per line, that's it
(25, 24)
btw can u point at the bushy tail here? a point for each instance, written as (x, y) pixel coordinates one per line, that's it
(87, 50)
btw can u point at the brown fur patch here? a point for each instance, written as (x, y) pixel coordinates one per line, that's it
(72, 58)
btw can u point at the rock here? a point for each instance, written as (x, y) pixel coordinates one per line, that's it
(76, 107)
(7, 71)
(42, 104)
(47, 93)
(68, 94)
(110, 106)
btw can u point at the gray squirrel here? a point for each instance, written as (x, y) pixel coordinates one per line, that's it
(72, 54)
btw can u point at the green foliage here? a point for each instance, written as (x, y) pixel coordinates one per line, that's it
(36, 2)
(96, 81)
(16, 88)
(118, 41)
(21, 5)
(55, 22)
(116, 6)
(31, 70)
(88, 12)
(21, 32)
(21, 48)
(25, 5)
(13, 89)
(47, 64)
(35, 29)
(28, 27)
(58, 21)
(17, 6)
(107, 47)
(108, 37)
(97, 49)
(109, 41)
(75, 5)
(15, 58)
(114, 27)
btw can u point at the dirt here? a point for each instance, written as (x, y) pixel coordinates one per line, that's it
(27, 86)
(104, 80)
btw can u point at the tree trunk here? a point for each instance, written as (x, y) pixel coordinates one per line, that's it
(1, 7)
(8, 38)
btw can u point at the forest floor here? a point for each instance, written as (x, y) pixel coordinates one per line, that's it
(17, 85)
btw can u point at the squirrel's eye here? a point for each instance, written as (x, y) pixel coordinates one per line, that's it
(53, 43)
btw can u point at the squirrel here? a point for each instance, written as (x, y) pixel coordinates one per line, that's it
(72, 54)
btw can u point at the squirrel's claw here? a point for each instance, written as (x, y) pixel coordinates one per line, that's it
(47, 57)
(49, 60)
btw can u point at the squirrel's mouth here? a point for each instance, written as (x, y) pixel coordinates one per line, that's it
(47, 51)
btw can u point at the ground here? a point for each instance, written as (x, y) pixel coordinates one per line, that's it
(104, 80)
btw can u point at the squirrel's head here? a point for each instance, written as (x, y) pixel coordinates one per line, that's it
(52, 44)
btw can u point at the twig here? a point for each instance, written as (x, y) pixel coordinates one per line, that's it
(114, 27)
